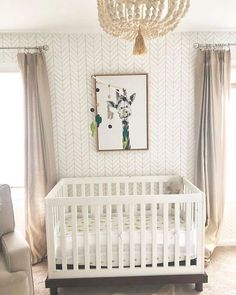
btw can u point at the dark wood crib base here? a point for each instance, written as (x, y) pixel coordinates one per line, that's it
(197, 279)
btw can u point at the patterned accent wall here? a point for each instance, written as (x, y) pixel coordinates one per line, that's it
(71, 61)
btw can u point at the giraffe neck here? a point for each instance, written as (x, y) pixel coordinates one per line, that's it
(125, 137)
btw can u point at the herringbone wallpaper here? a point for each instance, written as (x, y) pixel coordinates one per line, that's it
(71, 61)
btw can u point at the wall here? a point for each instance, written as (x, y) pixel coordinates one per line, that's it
(71, 61)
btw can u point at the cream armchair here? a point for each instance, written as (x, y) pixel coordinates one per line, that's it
(15, 257)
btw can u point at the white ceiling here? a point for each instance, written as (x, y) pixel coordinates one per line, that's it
(81, 16)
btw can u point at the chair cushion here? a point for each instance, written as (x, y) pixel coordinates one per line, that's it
(15, 283)
(16, 252)
(17, 256)
(7, 222)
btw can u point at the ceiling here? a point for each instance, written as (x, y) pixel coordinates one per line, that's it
(81, 16)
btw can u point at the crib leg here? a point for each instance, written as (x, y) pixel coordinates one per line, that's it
(53, 291)
(199, 287)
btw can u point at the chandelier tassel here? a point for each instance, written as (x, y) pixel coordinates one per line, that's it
(139, 44)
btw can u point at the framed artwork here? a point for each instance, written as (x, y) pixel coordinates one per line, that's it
(122, 112)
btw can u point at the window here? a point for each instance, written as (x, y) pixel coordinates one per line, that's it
(231, 140)
(12, 140)
(228, 228)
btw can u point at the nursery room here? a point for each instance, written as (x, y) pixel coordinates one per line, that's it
(117, 154)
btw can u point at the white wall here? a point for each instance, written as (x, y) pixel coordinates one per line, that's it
(71, 61)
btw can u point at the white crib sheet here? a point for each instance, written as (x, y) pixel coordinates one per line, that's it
(125, 236)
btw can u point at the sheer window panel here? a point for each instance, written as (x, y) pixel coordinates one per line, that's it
(12, 138)
(228, 228)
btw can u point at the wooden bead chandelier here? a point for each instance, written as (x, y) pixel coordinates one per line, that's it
(140, 19)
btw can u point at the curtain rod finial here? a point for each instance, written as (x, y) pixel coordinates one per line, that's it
(45, 47)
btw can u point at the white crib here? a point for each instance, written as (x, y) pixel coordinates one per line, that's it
(124, 227)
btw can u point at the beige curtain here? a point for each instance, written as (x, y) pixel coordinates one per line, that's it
(212, 93)
(40, 172)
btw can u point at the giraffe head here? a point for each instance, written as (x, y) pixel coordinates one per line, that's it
(123, 104)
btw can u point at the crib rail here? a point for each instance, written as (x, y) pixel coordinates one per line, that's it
(122, 185)
(188, 207)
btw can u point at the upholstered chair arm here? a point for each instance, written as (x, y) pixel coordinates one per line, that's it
(17, 255)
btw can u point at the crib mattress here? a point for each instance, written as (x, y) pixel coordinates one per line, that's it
(116, 235)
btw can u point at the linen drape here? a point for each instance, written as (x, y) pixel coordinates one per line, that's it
(212, 94)
(40, 172)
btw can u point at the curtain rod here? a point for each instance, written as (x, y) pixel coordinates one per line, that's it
(40, 48)
(209, 45)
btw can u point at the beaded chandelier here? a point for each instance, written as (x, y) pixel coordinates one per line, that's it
(140, 19)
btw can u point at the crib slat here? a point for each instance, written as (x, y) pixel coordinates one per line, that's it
(54, 220)
(188, 232)
(154, 235)
(74, 237)
(165, 232)
(118, 190)
(50, 233)
(92, 193)
(135, 188)
(55, 212)
(83, 189)
(91, 189)
(193, 213)
(141, 188)
(160, 188)
(177, 219)
(98, 237)
(145, 188)
(100, 189)
(109, 237)
(152, 188)
(64, 191)
(126, 193)
(62, 232)
(143, 236)
(196, 217)
(200, 230)
(160, 206)
(74, 190)
(120, 235)
(86, 237)
(131, 238)
(109, 189)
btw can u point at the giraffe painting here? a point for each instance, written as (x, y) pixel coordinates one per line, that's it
(122, 103)
(123, 106)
